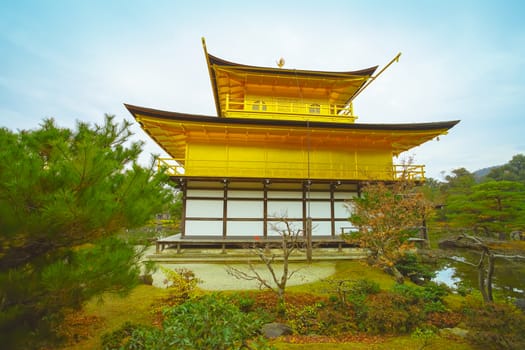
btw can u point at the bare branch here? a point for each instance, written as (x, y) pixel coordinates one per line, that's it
(289, 242)
(509, 256)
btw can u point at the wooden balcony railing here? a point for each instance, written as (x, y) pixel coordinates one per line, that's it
(289, 107)
(291, 169)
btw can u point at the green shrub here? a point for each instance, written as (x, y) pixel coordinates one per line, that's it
(365, 286)
(306, 320)
(181, 282)
(424, 335)
(496, 326)
(430, 293)
(215, 324)
(412, 294)
(434, 306)
(447, 319)
(128, 335)
(210, 322)
(244, 302)
(391, 313)
(359, 307)
(433, 291)
(356, 299)
(410, 266)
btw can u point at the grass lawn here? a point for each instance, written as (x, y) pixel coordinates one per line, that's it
(114, 311)
(346, 270)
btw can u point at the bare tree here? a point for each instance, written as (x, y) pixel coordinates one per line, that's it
(485, 265)
(290, 239)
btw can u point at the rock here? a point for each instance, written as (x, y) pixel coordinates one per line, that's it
(274, 330)
(520, 304)
(146, 279)
(517, 236)
(417, 280)
(454, 332)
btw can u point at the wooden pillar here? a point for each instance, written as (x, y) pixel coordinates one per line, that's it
(309, 240)
(307, 220)
(332, 209)
(183, 187)
(225, 210)
(305, 205)
(266, 183)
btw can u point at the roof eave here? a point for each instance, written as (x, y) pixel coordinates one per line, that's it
(213, 79)
(136, 110)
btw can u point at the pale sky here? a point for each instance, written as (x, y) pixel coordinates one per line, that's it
(76, 60)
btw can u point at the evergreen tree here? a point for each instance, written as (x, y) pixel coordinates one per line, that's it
(63, 195)
(459, 182)
(490, 207)
(514, 170)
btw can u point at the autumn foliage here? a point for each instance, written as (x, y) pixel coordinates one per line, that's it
(386, 216)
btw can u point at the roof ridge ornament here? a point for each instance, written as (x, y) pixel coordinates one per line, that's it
(374, 77)
(280, 63)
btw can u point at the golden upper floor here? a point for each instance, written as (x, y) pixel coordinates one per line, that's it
(243, 91)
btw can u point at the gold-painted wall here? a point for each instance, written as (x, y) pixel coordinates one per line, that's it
(280, 161)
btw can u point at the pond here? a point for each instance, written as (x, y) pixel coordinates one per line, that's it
(508, 280)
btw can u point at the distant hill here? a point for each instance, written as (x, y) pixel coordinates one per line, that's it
(481, 173)
(514, 170)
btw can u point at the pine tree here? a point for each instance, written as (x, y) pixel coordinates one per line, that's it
(63, 195)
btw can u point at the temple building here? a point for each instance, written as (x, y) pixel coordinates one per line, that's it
(284, 144)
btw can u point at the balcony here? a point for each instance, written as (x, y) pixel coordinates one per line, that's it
(289, 109)
(291, 170)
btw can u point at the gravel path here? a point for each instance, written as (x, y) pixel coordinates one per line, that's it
(215, 276)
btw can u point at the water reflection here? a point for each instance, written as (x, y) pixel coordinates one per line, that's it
(508, 280)
(447, 276)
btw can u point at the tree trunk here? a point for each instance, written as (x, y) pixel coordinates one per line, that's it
(490, 274)
(309, 240)
(400, 279)
(281, 304)
(481, 283)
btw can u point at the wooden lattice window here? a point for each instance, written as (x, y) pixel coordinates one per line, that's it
(315, 108)
(259, 106)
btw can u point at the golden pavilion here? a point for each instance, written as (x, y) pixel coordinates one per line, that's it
(284, 143)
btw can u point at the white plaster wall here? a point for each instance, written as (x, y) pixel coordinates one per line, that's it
(245, 194)
(245, 228)
(319, 209)
(319, 195)
(275, 226)
(339, 224)
(285, 194)
(245, 209)
(344, 195)
(321, 228)
(204, 193)
(204, 208)
(202, 227)
(288, 209)
(341, 210)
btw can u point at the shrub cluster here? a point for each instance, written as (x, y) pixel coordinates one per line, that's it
(362, 306)
(410, 266)
(495, 326)
(234, 321)
(208, 322)
(403, 308)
